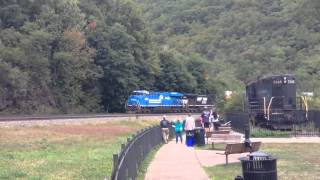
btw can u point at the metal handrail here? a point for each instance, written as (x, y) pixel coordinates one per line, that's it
(304, 99)
(264, 107)
(125, 152)
(270, 102)
(133, 153)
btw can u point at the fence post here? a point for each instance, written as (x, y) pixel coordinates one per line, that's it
(115, 162)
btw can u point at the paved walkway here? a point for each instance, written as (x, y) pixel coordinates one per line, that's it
(174, 162)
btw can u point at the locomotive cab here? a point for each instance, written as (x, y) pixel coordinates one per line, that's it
(136, 100)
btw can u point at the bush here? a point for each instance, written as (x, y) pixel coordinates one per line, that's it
(269, 133)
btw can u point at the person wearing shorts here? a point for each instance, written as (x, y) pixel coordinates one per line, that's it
(205, 118)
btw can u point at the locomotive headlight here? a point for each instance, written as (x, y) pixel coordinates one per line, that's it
(285, 80)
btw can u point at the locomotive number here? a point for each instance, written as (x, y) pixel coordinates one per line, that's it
(291, 81)
(277, 82)
(202, 100)
(288, 81)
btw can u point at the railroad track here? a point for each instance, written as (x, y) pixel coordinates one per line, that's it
(93, 116)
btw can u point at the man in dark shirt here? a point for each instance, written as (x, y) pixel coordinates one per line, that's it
(205, 118)
(164, 124)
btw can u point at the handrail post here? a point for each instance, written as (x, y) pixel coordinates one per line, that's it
(115, 160)
(115, 165)
(122, 147)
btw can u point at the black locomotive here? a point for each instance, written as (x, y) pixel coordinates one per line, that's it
(272, 102)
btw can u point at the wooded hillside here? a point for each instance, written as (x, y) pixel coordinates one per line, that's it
(78, 56)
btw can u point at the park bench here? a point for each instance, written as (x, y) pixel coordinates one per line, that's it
(211, 134)
(225, 138)
(222, 135)
(238, 148)
(223, 129)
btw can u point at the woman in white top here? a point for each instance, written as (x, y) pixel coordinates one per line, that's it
(190, 123)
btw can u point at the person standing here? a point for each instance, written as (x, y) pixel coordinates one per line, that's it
(211, 119)
(199, 122)
(190, 124)
(178, 126)
(205, 118)
(189, 128)
(164, 124)
(216, 123)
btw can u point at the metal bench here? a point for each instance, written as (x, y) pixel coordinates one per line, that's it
(210, 134)
(238, 148)
(224, 138)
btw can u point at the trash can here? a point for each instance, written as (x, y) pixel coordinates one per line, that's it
(259, 166)
(190, 138)
(199, 136)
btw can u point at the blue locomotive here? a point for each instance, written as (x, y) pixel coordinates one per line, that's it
(143, 101)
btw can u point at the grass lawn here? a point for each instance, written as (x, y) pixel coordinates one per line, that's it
(295, 162)
(63, 152)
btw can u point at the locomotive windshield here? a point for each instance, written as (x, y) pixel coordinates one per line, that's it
(140, 92)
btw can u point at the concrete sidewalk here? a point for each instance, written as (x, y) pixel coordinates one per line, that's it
(175, 161)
